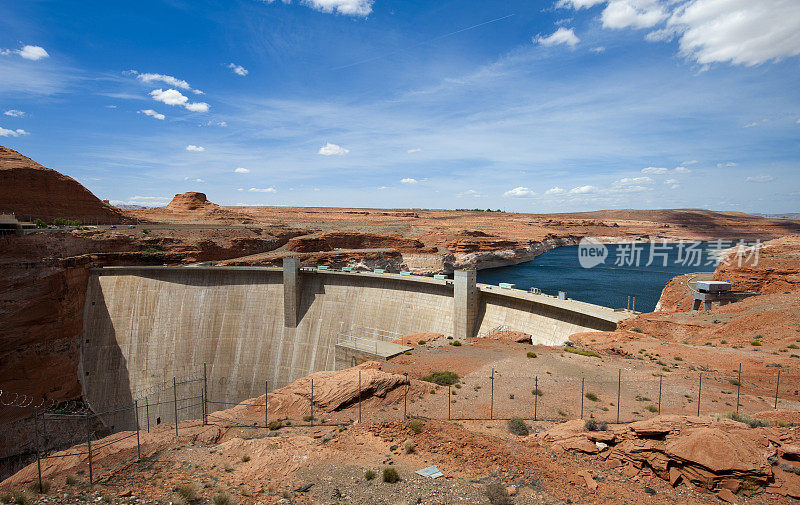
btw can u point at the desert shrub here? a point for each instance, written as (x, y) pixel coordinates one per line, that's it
(594, 425)
(678, 358)
(531, 354)
(497, 495)
(591, 396)
(5, 498)
(517, 426)
(18, 497)
(562, 413)
(744, 418)
(456, 343)
(651, 408)
(223, 498)
(537, 392)
(755, 343)
(228, 467)
(640, 398)
(390, 475)
(275, 425)
(416, 425)
(407, 353)
(445, 378)
(369, 474)
(793, 346)
(39, 223)
(421, 342)
(581, 352)
(409, 446)
(665, 369)
(308, 418)
(35, 488)
(735, 382)
(187, 491)
(245, 458)
(70, 480)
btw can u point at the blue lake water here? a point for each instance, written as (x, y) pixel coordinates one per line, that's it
(609, 283)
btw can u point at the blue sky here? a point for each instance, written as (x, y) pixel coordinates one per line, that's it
(534, 106)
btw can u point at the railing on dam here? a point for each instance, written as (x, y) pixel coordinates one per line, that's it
(372, 340)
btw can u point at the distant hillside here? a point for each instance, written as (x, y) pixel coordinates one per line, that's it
(788, 215)
(32, 191)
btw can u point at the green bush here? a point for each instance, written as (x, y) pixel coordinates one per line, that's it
(593, 425)
(755, 343)
(744, 418)
(537, 392)
(651, 408)
(71, 480)
(39, 223)
(369, 474)
(531, 354)
(735, 382)
(445, 378)
(517, 427)
(223, 498)
(456, 343)
(582, 352)
(416, 425)
(275, 425)
(421, 342)
(591, 396)
(245, 458)
(44, 489)
(390, 475)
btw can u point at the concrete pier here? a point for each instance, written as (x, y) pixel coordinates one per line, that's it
(291, 292)
(465, 303)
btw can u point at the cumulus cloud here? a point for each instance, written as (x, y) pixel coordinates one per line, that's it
(727, 164)
(14, 113)
(417, 149)
(561, 36)
(470, 192)
(682, 170)
(759, 178)
(28, 52)
(750, 125)
(408, 180)
(554, 191)
(361, 8)
(4, 132)
(654, 170)
(263, 190)
(581, 190)
(152, 113)
(241, 170)
(166, 79)
(519, 192)
(238, 69)
(740, 32)
(175, 97)
(628, 181)
(671, 181)
(332, 150)
(197, 149)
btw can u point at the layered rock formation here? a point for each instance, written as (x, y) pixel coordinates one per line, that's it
(32, 191)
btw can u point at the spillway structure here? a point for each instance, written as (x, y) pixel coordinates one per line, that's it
(258, 328)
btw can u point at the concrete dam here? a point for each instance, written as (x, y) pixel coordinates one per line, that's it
(259, 327)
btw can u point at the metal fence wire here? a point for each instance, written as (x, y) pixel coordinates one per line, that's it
(612, 398)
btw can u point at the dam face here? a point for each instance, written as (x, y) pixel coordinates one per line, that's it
(145, 325)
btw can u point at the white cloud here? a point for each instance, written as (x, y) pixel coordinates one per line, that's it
(360, 8)
(238, 69)
(28, 52)
(671, 181)
(581, 190)
(561, 36)
(759, 178)
(332, 150)
(632, 14)
(554, 191)
(728, 164)
(654, 170)
(222, 124)
(682, 170)
(381, 188)
(175, 97)
(152, 201)
(239, 189)
(690, 162)
(598, 49)
(152, 113)
(408, 180)
(417, 149)
(192, 147)
(578, 4)
(12, 133)
(14, 113)
(263, 190)
(198, 180)
(166, 79)
(241, 170)
(519, 192)
(750, 125)
(629, 181)
(470, 192)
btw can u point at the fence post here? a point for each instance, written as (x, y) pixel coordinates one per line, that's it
(582, 382)
(535, 397)
(619, 379)
(448, 402)
(266, 404)
(175, 402)
(777, 386)
(738, 388)
(359, 396)
(491, 402)
(147, 411)
(660, 379)
(312, 402)
(38, 458)
(699, 393)
(89, 449)
(138, 444)
(205, 396)
(405, 398)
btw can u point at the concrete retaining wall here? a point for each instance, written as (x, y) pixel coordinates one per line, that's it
(145, 325)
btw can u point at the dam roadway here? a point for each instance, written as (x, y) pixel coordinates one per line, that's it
(251, 325)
